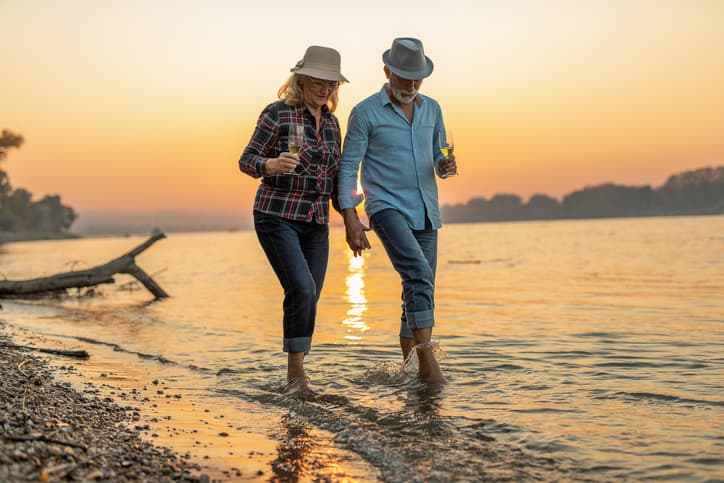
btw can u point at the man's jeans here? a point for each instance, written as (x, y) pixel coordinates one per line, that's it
(413, 253)
(298, 252)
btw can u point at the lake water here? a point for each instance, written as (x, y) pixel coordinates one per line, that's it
(575, 350)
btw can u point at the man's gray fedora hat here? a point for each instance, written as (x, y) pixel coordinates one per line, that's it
(320, 63)
(407, 59)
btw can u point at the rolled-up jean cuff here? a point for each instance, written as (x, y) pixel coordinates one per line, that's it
(420, 320)
(298, 344)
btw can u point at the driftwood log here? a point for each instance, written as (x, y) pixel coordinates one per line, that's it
(89, 277)
(80, 354)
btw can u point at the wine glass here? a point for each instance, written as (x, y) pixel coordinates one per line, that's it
(447, 145)
(296, 137)
(295, 140)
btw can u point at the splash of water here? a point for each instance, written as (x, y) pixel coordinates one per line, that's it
(392, 372)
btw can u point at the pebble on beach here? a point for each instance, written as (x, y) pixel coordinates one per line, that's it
(51, 432)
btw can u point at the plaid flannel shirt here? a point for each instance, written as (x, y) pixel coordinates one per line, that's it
(304, 196)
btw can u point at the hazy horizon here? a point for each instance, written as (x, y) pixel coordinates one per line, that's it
(100, 223)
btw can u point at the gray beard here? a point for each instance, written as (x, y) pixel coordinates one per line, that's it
(404, 97)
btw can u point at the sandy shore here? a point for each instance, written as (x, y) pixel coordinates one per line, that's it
(52, 431)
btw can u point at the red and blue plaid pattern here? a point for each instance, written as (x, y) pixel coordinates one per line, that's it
(304, 196)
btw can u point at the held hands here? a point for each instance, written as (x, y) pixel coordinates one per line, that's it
(285, 163)
(356, 237)
(448, 166)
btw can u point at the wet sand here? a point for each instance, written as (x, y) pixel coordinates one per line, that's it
(62, 424)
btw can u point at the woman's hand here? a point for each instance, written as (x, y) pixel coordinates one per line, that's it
(285, 163)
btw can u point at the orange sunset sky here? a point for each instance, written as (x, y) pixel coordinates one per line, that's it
(145, 105)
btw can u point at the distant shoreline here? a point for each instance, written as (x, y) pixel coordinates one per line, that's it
(698, 192)
(22, 237)
(9, 238)
(691, 193)
(612, 217)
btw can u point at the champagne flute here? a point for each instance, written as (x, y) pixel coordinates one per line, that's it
(447, 145)
(296, 137)
(295, 140)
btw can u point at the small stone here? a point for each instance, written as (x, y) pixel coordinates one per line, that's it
(54, 451)
(94, 475)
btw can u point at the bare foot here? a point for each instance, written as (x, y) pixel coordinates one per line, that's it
(297, 380)
(429, 372)
(298, 385)
(434, 377)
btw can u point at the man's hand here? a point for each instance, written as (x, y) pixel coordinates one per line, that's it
(448, 166)
(356, 236)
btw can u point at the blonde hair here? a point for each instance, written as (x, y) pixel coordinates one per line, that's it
(291, 92)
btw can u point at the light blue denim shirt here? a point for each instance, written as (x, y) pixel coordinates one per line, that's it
(399, 159)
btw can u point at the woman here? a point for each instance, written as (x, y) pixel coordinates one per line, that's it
(291, 208)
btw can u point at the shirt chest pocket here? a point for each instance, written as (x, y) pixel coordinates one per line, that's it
(424, 132)
(390, 138)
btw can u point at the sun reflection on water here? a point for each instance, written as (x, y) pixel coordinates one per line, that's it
(355, 296)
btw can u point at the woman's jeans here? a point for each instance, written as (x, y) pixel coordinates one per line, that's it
(413, 253)
(298, 253)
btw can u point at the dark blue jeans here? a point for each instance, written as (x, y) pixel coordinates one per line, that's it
(413, 253)
(298, 253)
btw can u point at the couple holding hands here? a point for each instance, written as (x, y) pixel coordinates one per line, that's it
(395, 137)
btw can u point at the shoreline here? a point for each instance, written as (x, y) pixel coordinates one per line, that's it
(25, 237)
(59, 423)
(218, 434)
(51, 431)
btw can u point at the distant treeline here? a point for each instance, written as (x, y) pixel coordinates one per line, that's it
(20, 216)
(696, 192)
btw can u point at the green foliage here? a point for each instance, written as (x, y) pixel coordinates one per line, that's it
(19, 213)
(8, 140)
(5, 187)
(49, 215)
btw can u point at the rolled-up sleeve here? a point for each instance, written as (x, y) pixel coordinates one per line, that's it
(353, 151)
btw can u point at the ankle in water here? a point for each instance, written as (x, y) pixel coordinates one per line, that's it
(297, 385)
(411, 363)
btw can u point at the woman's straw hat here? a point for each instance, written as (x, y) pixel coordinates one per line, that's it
(321, 63)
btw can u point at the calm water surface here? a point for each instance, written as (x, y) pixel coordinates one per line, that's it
(576, 350)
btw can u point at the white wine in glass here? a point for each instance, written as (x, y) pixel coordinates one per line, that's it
(447, 146)
(296, 138)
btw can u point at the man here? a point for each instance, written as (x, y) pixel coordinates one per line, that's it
(395, 135)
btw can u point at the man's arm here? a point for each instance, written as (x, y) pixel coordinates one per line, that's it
(355, 148)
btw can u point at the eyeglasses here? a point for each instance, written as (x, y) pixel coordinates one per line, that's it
(323, 85)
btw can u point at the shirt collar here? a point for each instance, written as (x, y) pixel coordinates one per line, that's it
(302, 107)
